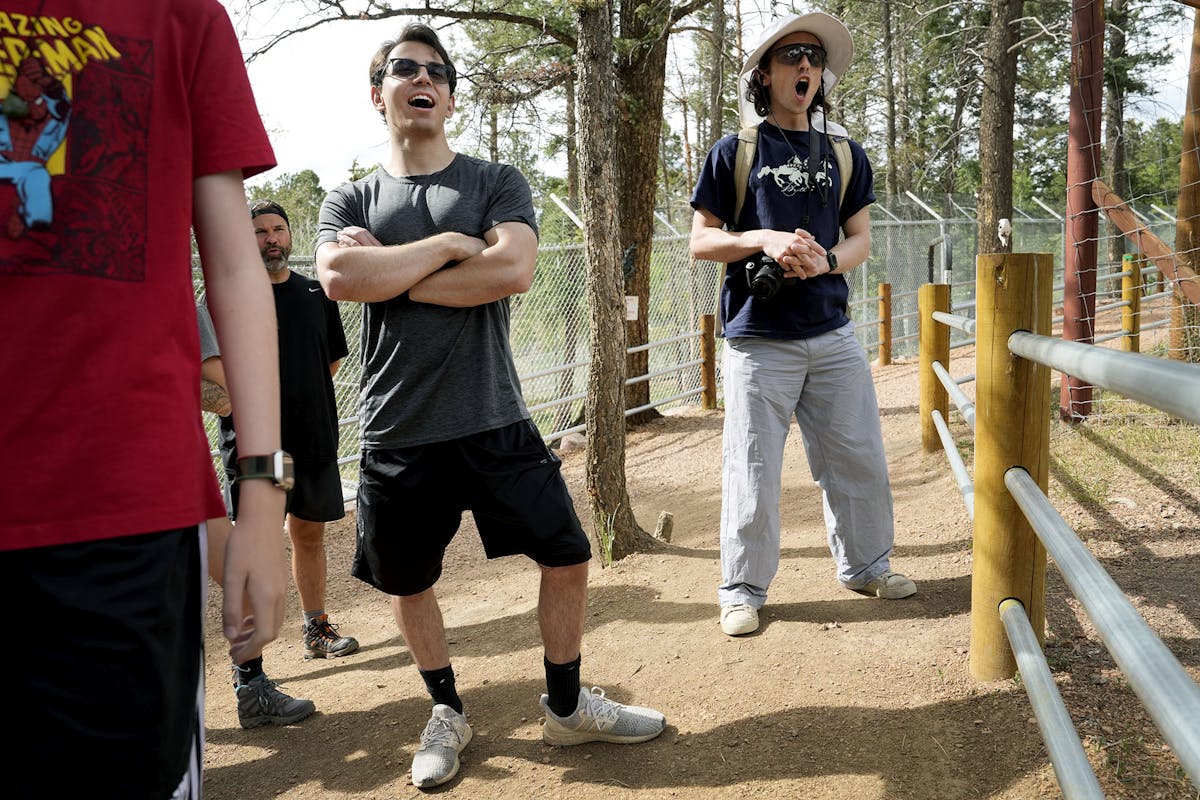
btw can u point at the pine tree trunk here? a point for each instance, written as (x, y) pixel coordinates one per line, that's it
(640, 80)
(1185, 316)
(617, 531)
(996, 125)
(1114, 137)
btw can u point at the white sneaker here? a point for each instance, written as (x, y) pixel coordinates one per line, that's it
(598, 719)
(888, 586)
(444, 737)
(739, 619)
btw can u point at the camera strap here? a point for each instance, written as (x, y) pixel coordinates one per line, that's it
(813, 164)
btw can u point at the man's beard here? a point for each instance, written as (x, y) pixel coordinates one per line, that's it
(276, 263)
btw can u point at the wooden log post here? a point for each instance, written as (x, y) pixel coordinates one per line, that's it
(1176, 341)
(708, 370)
(1131, 314)
(935, 346)
(885, 324)
(1012, 429)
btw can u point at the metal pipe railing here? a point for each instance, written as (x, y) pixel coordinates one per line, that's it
(1108, 337)
(1170, 696)
(1171, 386)
(1070, 762)
(664, 371)
(664, 401)
(958, 469)
(964, 324)
(554, 370)
(683, 337)
(560, 401)
(964, 404)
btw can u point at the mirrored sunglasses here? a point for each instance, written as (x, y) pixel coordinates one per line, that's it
(790, 54)
(406, 68)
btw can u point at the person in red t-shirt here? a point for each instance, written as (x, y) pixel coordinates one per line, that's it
(108, 478)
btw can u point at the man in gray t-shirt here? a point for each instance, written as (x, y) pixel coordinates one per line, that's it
(434, 243)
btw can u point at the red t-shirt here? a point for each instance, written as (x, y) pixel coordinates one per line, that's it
(100, 429)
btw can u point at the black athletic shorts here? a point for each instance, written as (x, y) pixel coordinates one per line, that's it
(316, 497)
(104, 693)
(411, 500)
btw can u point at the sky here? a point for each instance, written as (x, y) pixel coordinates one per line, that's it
(314, 97)
(313, 94)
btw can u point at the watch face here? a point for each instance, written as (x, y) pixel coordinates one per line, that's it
(284, 470)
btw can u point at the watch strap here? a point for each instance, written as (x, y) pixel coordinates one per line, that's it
(255, 467)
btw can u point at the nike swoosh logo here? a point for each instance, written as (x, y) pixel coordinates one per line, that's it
(314, 288)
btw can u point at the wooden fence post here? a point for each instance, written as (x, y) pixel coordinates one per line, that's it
(935, 346)
(1012, 429)
(708, 370)
(885, 324)
(1131, 314)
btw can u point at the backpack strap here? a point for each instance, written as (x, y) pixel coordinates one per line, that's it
(845, 162)
(743, 162)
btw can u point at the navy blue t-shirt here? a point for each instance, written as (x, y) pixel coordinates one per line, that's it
(779, 198)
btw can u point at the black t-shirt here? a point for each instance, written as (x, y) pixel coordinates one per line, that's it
(310, 339)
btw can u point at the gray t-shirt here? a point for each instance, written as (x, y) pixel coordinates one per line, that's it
(208, 336)
(433, 373)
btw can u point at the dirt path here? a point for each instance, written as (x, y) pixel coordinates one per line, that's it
(838, 696)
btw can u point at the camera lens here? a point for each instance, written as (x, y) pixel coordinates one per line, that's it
(767, 280)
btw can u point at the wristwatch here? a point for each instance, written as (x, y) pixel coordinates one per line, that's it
(831, 260)
(275, 467)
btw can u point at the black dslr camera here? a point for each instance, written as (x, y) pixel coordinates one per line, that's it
(765, 277)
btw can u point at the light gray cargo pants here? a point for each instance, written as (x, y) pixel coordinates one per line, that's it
(826, 383)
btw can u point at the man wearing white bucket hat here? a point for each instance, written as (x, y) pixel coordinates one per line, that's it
(788, 234)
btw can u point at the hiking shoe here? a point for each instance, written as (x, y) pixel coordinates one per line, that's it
(260, 702)
(739, 619)
(321, 640)
(598, 719)
(889, 586)
(444, 737)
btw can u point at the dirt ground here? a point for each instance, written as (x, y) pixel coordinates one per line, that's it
(837, 695)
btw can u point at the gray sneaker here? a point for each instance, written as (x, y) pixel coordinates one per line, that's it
(598, 719)
(260, 702)
(444, 737)
(321, 640)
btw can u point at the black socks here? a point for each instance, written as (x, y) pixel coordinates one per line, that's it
(440, 683)
(248, 671)
(562, 684)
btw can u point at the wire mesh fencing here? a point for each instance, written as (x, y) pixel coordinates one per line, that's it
(914, 241)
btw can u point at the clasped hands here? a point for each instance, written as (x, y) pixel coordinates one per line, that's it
(798, 253)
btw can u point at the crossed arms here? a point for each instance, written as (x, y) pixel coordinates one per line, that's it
(446, 269)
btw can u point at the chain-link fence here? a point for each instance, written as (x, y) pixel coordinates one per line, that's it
(913, 240)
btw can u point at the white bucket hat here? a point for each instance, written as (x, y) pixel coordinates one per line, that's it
(834, 36)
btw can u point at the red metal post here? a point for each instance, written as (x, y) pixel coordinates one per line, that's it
(1083, 163)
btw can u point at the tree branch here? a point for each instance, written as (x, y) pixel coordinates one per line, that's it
(339, 13)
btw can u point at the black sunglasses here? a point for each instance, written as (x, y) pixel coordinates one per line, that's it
(790, 54)
(406, 68)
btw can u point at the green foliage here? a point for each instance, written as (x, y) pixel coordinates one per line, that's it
(358, 171)
(1153, 152)
(301, 195)
(511, 99)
